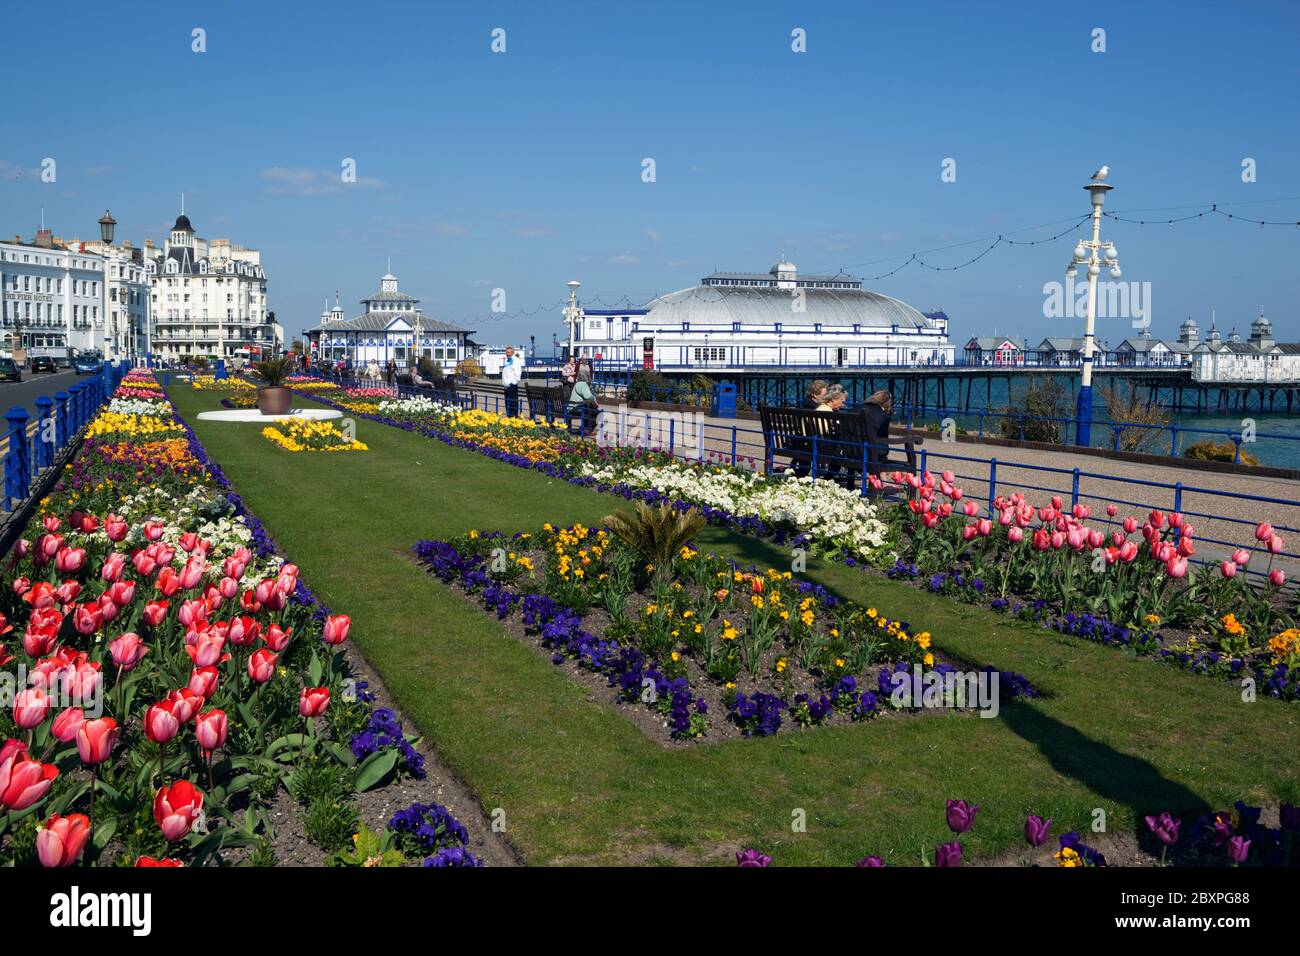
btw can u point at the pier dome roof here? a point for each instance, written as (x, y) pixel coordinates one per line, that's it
(726, 305)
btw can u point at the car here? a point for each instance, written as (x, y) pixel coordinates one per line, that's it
(9, 371)
(42, 363)
(87, 364)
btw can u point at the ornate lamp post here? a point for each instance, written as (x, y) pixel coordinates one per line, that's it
(573, 314)
(1092, 253)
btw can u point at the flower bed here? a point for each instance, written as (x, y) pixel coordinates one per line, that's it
(1093, 579)
(819, 514)
(174, 677)
(306, 434)
(704, 647)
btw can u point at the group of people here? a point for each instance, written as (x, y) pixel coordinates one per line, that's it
(834, 462)
(578, 377)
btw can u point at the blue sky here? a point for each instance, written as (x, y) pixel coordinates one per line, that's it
(522, 170)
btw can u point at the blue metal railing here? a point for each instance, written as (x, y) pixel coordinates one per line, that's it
(32, 445)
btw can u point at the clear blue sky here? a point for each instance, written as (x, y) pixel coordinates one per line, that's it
(523, 170)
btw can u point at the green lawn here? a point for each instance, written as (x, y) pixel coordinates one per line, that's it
(579, 784)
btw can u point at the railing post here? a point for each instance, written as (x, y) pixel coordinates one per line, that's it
(672, 435)
(733, 446)
(865, 445)
(61, 430)
(1074, 490)
(17, 462)
(993, 482)
(1173, 446)
(74, 408)
(813, 470)
(45, 432)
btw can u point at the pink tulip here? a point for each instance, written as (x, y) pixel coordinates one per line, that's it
(1177, 567)
(210, 730)
(970, 509)
(31, 706)
(128, 650)
(1241, 556)
(96, 740)
(61, 841)
(67, 723)
(1277, 577)
(985, 527)
(153, 530)
(968, 532)
(203, 681)
(1111, 511)
(1275, 545)
(116, 528)
(1263, 531)
(160, 723)
(313, 701)
(23, 781)
(261, 666)
(1228, 569)
(113, 566)
(277, 637)
(336, 628)
(1130, 525)
(1015, 534)
(176, 807)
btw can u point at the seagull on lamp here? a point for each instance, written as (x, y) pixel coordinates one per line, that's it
(1101, 174)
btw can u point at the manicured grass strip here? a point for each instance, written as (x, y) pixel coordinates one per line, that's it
(581, 784)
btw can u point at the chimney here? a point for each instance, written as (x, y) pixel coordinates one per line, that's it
(45, 238)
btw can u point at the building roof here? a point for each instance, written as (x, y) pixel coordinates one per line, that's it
(182, 224)
(378, 321)
(1142, 343)
(726, 305)
(988, 343)
(389, 297)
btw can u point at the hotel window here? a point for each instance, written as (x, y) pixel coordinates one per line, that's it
(710, 354)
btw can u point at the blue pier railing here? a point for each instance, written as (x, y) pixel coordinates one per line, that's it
(34, 443)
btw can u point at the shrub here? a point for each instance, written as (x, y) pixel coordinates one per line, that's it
(1214, 451)
(657, 533)
(1039, 414)
(429, 370)
(274, 371)
(469, 368)
(1121, 407)
(329, 824)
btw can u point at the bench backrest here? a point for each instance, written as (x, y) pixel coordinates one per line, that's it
(544, 402)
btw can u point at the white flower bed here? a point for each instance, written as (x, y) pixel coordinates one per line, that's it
(831, 515)
(140, 406)
(418, 407)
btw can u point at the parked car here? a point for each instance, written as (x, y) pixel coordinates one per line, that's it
(42, 363)
(88, 363)
(9, 371)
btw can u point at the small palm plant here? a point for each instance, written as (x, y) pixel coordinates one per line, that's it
(273, 371)
(656, 533)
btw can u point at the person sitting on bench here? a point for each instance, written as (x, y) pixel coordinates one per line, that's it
(582, 402)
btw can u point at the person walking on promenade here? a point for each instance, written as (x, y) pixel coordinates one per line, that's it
(511, 372)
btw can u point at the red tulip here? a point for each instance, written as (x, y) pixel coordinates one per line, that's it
(88, 618)
(1263, 531)
(31, 707)
(191, 611)
(261, 666)
(203, 681)
(277, 637)
(96, 740)
(160, 723)
(116, 527)
(192, 573)
(42, 632)
(1277, 576)
(52, 523)
(1177, 567)
(1130, 525)
(21, 586)
(62, 839)
(185, 704)
(210, 730)
(1156, 518)
(336, 628)
(967, 532)
(188, 541)
(70, 560)
(128, 650)
(83, 680)
(244, 631)
(148, 861)
(40, 596)
(176, 808)
(207, 650)
(169, 582)
(23, 781)
(313, 701)
(67, 723)
(1241, 556)
(153, 530)
(1015, 534)
(155, 612)
(112, 567)
(1228, 569)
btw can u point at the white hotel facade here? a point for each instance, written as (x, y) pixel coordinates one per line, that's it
(774, 319)
(52, 296)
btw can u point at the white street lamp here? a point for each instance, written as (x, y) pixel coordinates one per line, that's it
(573, 314)
(1091, 253)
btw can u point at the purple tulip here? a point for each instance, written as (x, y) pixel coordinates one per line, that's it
(1238, 849)
(1165, 828)
(1036, 830)
(1222, 829)
(753, 858)
(947, 854)
(961, 815)
(1289, 816)
(870, 861)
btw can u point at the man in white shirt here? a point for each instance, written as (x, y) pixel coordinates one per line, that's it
(511, 371)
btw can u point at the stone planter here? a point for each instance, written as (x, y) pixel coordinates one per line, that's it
(274, 399)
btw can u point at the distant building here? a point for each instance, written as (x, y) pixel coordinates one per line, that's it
(994, 350)
(208, 298)
(1260, 359)
(1068, 351)
(776, 318)
(386, 331)
(51, 296)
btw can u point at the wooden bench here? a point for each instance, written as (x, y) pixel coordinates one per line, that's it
(544, 402)
(834, 445)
